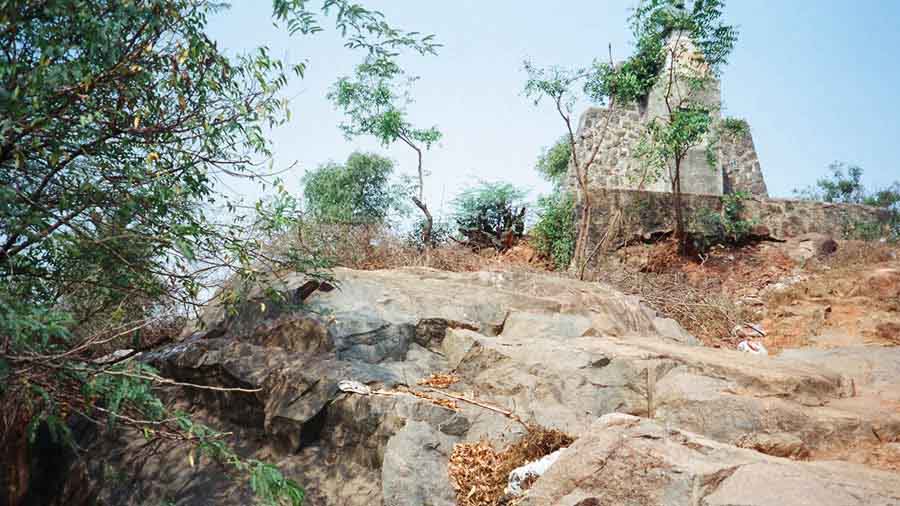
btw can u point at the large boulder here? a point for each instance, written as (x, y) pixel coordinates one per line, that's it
(625, 460)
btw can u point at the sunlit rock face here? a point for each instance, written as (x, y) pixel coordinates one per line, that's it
(555, 351)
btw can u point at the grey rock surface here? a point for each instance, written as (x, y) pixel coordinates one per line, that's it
(555, 351)
(625, 460)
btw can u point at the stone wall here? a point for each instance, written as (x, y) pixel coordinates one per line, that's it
(740, 165)
(647, 214)
(616, 165)
(617, 133)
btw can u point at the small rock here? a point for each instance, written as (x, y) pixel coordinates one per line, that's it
(777, 445)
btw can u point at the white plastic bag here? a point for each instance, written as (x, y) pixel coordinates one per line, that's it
(752, 347)
(537, 468)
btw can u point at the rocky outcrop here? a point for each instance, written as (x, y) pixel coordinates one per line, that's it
(626, 460)
(554, 351)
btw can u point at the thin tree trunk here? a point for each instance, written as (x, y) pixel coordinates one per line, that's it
(16, 461)
(420, 200)
(680, 235)
(429, 222)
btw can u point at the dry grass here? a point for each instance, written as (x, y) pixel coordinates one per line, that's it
(439, 380)
(704, 312)
(479, 473)
(853, 254)
(372, 247)
(434, 400)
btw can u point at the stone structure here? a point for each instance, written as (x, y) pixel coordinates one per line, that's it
(619, 131)
(649, 214)
(620, 180)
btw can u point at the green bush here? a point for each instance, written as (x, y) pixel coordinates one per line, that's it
(490, 215)
(553, 163)
(737, 127)
(726, 227)
(554, 233)
(358, 191)
(441, 232)
(843, 185)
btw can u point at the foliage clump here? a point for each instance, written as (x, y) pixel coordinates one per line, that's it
(553, 235)
(736, 127)
(118, 120)
(553, 163)
(843, 185)
(728, 227)
(359, 191)
(491, 215)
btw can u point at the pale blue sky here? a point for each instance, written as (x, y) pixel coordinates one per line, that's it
(816, 79)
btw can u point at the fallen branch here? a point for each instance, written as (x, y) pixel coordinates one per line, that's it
(495, 409)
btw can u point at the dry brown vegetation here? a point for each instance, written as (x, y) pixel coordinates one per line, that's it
(371, 247)
(709, 297)
(479, 473)
(439, 380)
(703, 311)
(794, 300)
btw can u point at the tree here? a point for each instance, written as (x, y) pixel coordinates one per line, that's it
(359, 191)
(491, 215)
(553, 163)
(666, 31)
(117, 119)
(843, 185)
(561, 86)
(374, 102)
(554, 233)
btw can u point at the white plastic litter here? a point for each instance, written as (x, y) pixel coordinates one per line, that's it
(354, 387)
(752, 347)
(537, 468)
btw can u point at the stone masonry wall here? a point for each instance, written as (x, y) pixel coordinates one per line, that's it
(618, 132)
(740, 165)
(616, 165)
(647, 214)
(613, 166)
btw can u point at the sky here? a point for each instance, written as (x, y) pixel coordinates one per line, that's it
(816, 79)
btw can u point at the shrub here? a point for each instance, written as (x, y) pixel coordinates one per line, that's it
(441, 232)
(553, 163)
(726, 227)
(737, 127)
(554, 233)
(844, 185)
(491, 215)
(358, 191)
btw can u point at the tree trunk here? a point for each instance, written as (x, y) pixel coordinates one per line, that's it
(15, 462)
(584, 230)
(429, 222)
(420, 200)
(680, 234)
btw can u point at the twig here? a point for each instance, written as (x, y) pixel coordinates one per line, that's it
(506, 413)
(166, 381)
